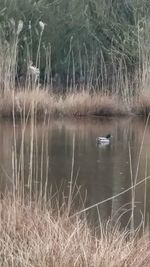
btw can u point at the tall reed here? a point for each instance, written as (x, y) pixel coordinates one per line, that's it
(109, 52)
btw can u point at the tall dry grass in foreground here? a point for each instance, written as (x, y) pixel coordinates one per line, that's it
(33, 236)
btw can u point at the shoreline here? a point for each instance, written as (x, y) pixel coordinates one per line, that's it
(22, 104)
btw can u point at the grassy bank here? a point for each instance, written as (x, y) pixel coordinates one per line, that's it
(72, 104)
(37, 234)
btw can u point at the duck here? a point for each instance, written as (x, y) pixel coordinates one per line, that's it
(104, 140)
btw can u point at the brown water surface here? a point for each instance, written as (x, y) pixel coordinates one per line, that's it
(101, 171)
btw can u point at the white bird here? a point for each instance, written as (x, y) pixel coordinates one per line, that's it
(42, 25)
(20, 27)
(33, 70)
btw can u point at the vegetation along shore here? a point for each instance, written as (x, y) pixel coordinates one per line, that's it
(69, 58)
(81, 58)
(75, 104)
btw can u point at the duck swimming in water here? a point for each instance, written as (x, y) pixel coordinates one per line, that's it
(104, 140)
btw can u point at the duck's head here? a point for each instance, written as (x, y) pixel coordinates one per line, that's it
(108, 136)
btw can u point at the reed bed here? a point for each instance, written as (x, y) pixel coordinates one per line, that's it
(106, 78)
(72, 104)
(35, 230)
(33, 236)
(141, 104)
(91, 44)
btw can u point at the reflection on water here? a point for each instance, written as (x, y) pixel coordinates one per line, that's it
(102, 171)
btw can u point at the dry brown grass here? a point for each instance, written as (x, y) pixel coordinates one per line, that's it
(141, 105)
(73, 104)
(31, 236)
(85, 104)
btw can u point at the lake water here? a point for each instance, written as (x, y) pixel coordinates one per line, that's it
(100, 171)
